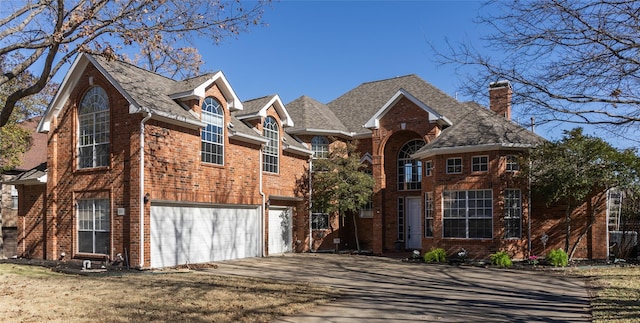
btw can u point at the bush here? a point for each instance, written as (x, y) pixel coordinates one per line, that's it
(501, 259)
(435, 255)
(557, 258)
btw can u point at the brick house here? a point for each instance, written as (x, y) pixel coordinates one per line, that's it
(33, 158)
(168, 172)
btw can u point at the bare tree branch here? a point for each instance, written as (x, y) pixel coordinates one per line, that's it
(570, 60)
(161, 30)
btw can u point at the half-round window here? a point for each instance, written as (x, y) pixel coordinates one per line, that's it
(409, 169)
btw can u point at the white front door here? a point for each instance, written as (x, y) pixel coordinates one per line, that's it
(414, 227)
(280, 240)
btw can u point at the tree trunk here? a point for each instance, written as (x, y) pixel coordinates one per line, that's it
(355, 228)
(567, 218)
(583, 234)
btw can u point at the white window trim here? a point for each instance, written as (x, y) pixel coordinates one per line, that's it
(480, 163)
(466, 214)
(454, 159)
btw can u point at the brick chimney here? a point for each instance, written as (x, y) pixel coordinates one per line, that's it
(500, 98)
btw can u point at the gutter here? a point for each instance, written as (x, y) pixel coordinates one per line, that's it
(142, 123)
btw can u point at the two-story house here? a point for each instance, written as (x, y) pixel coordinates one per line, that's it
(167, 172)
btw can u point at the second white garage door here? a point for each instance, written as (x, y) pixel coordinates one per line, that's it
(197, 234)
(280, 240)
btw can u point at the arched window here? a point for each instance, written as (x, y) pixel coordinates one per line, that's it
(320, 147)
(409, 170)
(93, 131)
(271, 151)
(213, 133)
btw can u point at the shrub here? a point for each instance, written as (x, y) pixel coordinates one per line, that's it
(501, 259)
(557, 258)
(435, 255)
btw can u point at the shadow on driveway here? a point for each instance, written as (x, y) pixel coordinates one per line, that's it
(377, 289)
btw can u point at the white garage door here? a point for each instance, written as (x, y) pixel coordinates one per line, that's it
(196, 234)
(280, 240)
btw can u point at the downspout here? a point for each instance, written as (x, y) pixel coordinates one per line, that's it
(263, 210)
(310, 206)
(529, 202)
(147, 117)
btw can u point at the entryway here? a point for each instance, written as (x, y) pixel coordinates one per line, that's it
(414, 225)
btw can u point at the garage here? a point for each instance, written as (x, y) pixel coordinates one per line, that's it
(280, 240)
(189, 234)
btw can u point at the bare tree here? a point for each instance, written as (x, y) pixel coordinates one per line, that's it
(47, 33)
(574, 60)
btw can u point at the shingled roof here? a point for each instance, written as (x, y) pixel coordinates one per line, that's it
(357, 106)
(313, 117)
(480, 129)
(147, 89)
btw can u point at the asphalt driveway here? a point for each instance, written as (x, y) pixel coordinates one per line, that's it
(377, 289)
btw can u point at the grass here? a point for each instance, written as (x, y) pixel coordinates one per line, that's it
(37, 294)
(615, 293)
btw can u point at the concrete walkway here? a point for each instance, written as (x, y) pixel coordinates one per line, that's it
(377, 289)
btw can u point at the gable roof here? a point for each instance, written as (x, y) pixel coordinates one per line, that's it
(196, 87)
(480, 130)
(374, 122)
(314, 118)
(257, 108)
(356, 107)
(37, 152)
(144, 90)
(34, 176)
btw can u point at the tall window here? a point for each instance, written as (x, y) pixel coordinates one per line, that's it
(367, 210)
(409, 170)
(428, 168)
(454, 165)
(271, 151)
(14, 198)
(93, 132)
(467, 214)
(320, 147)
(428, 214)
(93, 226)
(213, 133)
(512, 213)
(480, 163)
(512, 163)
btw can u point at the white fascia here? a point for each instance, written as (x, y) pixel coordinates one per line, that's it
(233, 102)
(247, 138)
(296, 150)
(64, 91)
(322, 132)
(374, 122)
(280, 109)
(468, 149)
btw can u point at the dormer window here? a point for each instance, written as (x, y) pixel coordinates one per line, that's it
(93, 129)
(213, 133)
(271, 151)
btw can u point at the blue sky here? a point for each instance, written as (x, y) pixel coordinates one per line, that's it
(325, 48)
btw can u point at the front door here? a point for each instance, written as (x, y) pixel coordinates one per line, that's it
(414, 227)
